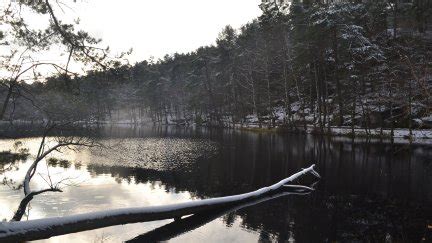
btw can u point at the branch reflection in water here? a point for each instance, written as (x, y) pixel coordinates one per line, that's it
(182, 226)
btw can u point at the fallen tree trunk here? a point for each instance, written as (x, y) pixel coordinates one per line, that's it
(181, 226)
(46, 228)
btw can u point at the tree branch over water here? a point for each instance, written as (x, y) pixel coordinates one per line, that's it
(45, 228)
(26, 46)
(62, 142)
(182, 226)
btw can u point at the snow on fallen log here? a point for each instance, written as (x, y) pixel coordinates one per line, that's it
(184, 225)
(49, 227)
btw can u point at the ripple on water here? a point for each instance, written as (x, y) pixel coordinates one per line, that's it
(153, 153)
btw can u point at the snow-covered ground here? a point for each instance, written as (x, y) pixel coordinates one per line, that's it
(400, 135)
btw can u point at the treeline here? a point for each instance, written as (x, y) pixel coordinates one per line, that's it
(342, 64)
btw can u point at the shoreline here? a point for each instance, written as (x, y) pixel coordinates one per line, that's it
(401, 135)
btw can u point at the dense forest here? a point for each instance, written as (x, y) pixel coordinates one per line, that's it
(350, 64)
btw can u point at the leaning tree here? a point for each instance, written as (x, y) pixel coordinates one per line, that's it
(35, 43)
(32, 37)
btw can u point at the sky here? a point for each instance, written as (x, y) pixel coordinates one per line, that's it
(152, 29)
(159, 27)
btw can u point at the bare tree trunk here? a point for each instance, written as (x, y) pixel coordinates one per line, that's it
(391, 116)
(286, 70)
(301, 101)
(181, 226)
(354, 107)
(311, 101)
(287, 95)
(269, 104)
(338, 83)
(410, 109)
(209, 89)
(45, 228)
(6, 102)
(395, 20)
(318, 98)
(255, 108)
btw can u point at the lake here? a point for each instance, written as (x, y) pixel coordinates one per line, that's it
(371, 191)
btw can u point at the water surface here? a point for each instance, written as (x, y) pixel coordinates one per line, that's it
(370, 192)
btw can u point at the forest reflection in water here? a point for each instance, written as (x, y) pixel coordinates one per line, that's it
(369, 192)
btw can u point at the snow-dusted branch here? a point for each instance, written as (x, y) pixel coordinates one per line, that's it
(32, 169)
(27, 199)
(28, 193)
(181, 226)
(45, 228)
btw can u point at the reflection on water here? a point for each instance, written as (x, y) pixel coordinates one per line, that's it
(154, 153)
(369, 192)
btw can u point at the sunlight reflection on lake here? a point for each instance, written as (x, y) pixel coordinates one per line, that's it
(87, 190)
(367, 190)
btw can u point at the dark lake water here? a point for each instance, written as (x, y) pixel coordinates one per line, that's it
(370, 191)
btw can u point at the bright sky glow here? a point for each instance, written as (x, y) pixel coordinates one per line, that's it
(151, 28)
(155, 28)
